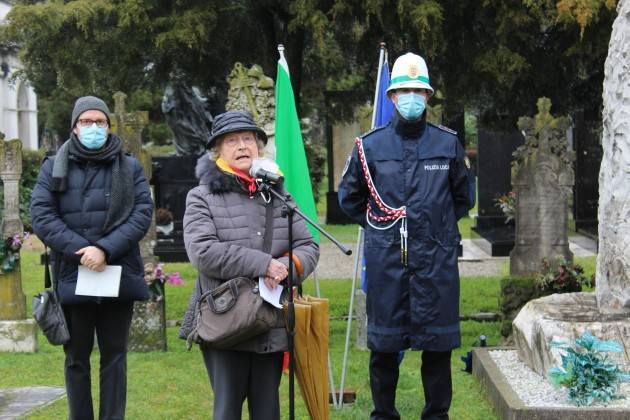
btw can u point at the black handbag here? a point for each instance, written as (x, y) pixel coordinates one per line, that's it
(48, 313)
(234, 311)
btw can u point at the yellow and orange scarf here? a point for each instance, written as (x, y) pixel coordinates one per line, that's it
(244, 178)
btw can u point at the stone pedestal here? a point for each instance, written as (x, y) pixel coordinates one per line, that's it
(564, 317)
(12, 299)
(18, 336)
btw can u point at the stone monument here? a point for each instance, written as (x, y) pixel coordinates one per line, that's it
(542, 178)
(148, 325)
(251, 90)
(128, 126)
(606, 313)
(17, 333)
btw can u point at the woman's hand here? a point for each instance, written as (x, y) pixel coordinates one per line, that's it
(276, 272)
(93, 258)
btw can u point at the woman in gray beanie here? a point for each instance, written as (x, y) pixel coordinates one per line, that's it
(92, 205)
(224, 233)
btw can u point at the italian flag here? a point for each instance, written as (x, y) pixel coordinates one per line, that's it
(290, 154)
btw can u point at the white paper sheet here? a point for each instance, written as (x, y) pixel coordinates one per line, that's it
(271, 296)
(93, 283)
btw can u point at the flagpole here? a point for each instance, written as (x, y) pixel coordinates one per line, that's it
(359, 253)
(381, 60)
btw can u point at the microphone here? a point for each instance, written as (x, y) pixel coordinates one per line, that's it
(266, 170)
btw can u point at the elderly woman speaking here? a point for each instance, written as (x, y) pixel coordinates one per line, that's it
(224, 226)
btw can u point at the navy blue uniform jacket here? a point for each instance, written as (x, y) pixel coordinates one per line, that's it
(421, 166)
(71, 220)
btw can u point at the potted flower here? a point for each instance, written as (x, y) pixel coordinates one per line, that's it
(10, 251)
(156, 278)
(507, 204)
(563, 277)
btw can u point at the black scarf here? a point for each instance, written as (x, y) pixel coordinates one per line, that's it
(122, 186)
(410, 129)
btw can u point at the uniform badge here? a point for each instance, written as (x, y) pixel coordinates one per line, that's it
(467, 162)
(346, 166)
(413, 71)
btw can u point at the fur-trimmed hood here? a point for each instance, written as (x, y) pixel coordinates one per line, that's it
(218, 182)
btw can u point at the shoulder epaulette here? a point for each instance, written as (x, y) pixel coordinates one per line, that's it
(375, 129)
(443, 128)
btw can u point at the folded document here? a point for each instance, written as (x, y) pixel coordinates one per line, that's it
(99, 283)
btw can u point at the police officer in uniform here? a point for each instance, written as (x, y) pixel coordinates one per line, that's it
(407, 183)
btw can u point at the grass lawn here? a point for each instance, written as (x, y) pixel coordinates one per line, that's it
(174, 385)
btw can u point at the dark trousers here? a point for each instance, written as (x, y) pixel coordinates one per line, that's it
(111, 321)
(237, 375)
(436, 380)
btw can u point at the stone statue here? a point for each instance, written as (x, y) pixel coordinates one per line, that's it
(606, 313)
(613, 260)
(251, 90)
(542, 178)
(187, 114)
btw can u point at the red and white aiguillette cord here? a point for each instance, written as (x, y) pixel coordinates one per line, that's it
(390, 213)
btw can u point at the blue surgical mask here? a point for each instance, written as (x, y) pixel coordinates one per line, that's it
(410, 105)
(93, 137)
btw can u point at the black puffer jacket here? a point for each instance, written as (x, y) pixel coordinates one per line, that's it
(71, 220)
(223, 233)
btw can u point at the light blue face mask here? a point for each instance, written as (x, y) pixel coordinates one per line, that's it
(410, 105)
(93, 137)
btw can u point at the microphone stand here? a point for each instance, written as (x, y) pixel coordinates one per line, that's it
(288, 211)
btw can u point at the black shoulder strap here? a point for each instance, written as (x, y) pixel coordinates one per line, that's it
(47, 279)
(268, 237)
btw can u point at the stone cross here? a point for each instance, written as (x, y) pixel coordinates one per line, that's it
(12, 299)
(250, 90)
(542, 178)
(613, 260)
(128, 126)
(17, 334)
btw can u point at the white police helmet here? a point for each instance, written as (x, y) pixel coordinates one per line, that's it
(410, 71)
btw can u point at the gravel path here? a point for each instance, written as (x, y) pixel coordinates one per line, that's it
(536, 391)
(333, 264)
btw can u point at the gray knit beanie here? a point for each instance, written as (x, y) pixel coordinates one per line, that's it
(86, 103)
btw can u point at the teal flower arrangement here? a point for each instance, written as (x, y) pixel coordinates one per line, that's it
(587, 372)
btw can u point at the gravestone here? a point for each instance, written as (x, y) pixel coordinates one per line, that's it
(148, 325)
(251, 90)
(173, 177)
(128, 126)
(588, 151)
(494, 156)
(542, 178)
(605, 313)
(17, 333)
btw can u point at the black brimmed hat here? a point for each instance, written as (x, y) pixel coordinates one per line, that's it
(232, 121)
